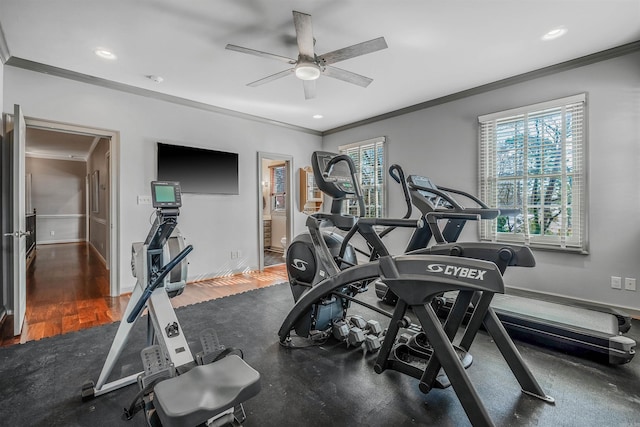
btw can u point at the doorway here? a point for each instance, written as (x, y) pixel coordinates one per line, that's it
(83, 162)
(69, 198)
(99, 148)
(275, 207)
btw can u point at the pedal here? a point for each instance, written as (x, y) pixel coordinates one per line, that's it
(155, 365)
(420, 342)
(405, 354)
(211, 347)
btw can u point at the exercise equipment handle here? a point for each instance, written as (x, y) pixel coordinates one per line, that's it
(433, 217)
(392, 222)
(334, 160)
(166, 269)
(352, 169)
(396, 172)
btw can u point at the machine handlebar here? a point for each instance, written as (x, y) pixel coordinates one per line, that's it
(433, 217)
(392, 222)
(396, 172)
(166, 269)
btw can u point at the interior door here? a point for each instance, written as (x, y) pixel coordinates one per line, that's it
(18, 223)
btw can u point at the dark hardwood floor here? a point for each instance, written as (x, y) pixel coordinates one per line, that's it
(68, 290)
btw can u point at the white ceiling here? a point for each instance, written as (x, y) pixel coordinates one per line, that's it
(50, 144)
(435, 47)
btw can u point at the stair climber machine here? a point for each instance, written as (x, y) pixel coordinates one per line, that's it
(176, 389)
(587, 330)
(325, 278)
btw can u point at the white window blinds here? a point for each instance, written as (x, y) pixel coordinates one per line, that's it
(532, 165)
(369, 158)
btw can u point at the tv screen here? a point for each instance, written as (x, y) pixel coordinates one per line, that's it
(198, 170)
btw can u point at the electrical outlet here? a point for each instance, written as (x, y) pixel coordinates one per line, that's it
(53, 233)
(630, 283)
(233, 254)
(616, 282)
(144, 200)
(238, 254)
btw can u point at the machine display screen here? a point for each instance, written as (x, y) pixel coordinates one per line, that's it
(166, 194)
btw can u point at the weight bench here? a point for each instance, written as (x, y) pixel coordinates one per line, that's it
(205, 392)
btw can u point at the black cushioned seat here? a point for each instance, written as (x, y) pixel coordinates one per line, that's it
(205, 391)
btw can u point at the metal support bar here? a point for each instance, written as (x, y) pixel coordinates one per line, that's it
(513, 358)
(478, 316)
(390, 337)
(451, 325)
(467, 394)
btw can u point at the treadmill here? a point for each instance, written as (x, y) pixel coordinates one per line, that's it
(581, 329)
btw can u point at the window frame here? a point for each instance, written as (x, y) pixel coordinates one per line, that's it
(381, 205)
(573, 106)
(278, 197)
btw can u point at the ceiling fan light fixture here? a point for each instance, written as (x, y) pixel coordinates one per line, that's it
(307, 71)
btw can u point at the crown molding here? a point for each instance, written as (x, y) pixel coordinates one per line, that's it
(97, 81)
(552, 69)
(4, 48)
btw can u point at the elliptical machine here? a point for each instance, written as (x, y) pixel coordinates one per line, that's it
(318, 254)
(583, 329)
(416, 279)
(176, 389)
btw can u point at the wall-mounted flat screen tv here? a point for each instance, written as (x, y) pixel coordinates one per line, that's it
(198, 170)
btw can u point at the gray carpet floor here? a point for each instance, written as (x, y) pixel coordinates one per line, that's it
(329, 385)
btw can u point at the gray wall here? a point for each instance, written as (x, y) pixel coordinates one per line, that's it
(441, 142)
(58, 196)
(98, 220)
(214, 224)
(3, 205)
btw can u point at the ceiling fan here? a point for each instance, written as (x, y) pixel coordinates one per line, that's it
(309, 66)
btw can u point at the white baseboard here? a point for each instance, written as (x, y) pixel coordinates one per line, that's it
(633, 312)
(51, 242)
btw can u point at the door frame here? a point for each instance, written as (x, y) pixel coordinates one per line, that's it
(14, 265)
(289, 200)
(113, 224)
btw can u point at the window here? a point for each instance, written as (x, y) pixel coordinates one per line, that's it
(532, 162)
(278, 187)
(369, 158)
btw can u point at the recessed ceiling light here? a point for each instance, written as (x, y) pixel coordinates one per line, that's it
(105, 53)
(318, 116)
(555, 33)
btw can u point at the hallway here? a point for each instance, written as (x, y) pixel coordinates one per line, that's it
(68, 290)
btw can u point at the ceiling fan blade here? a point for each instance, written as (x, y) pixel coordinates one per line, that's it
(347, 76)
(271, 78)
(353, 51)
(260, 53)
(309, 89)
(304, 34)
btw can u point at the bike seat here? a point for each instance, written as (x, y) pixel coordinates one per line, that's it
(205, 391)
